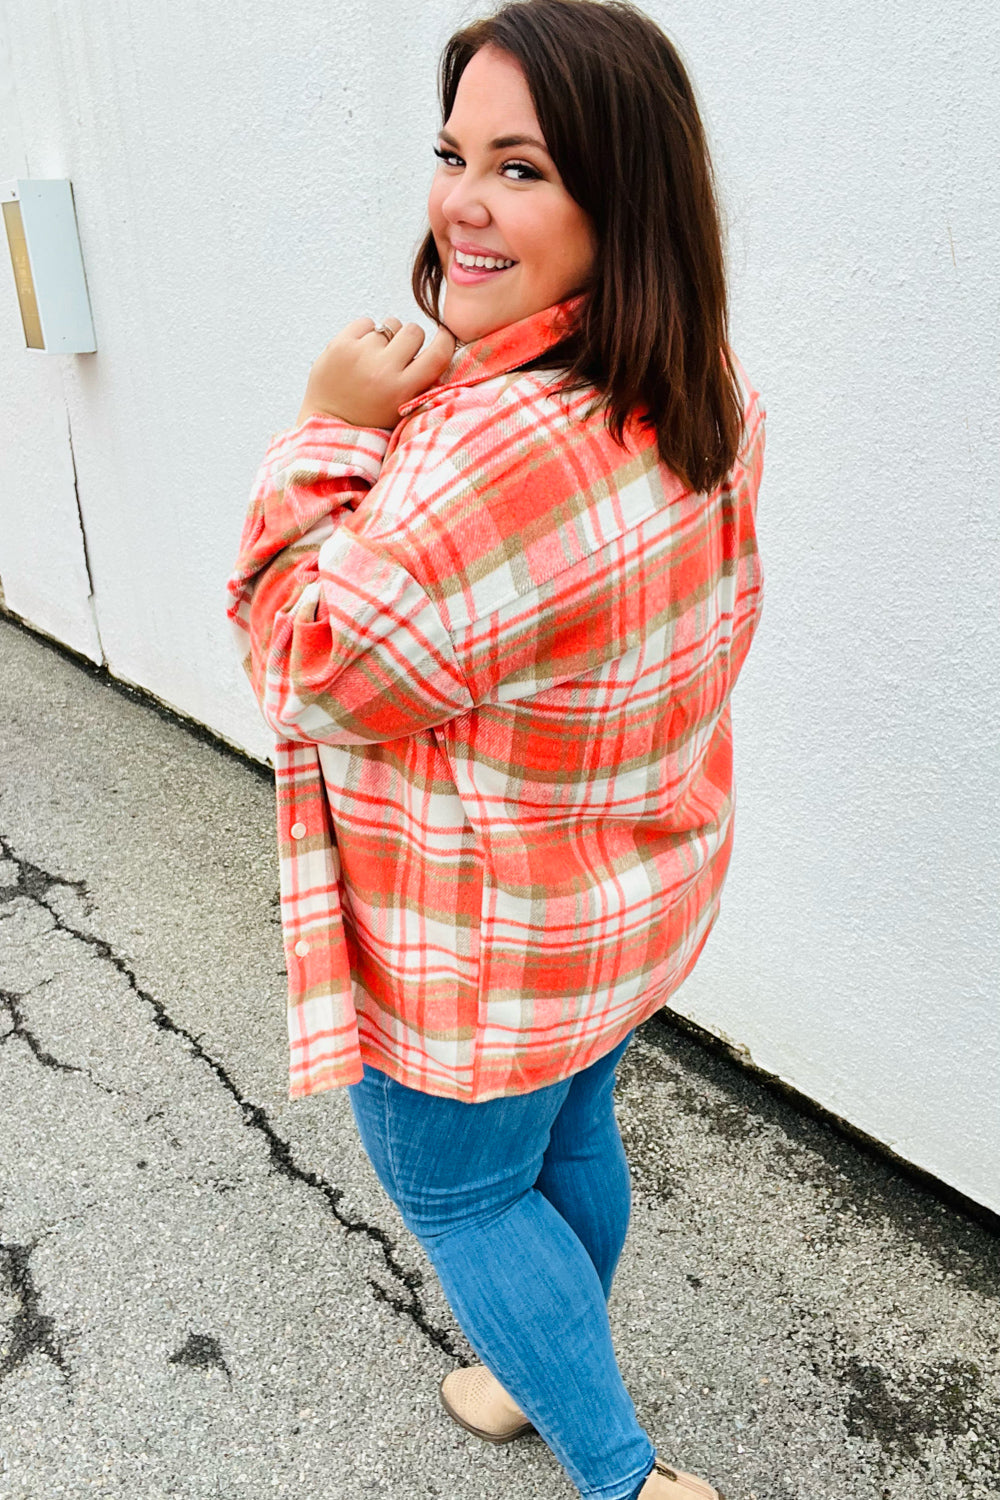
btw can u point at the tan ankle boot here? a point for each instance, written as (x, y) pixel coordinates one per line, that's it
(478, 1402)
(666, 1483)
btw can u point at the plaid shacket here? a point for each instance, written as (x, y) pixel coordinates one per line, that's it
(496, 649)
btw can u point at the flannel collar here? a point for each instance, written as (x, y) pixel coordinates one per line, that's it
(502, 350)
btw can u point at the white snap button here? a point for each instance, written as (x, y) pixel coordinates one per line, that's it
(302, 947)
(298, 830)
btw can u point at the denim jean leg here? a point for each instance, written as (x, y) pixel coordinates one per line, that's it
(530, 1301)
(518, 1277)
(585, 1174)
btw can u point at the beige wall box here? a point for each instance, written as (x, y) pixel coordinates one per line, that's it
(44, 245)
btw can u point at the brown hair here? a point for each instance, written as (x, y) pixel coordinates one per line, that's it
(621, 124)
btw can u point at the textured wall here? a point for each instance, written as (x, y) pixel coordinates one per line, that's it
(249, 178)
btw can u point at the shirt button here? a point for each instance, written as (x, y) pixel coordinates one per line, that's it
(302, 947)
(298, 830)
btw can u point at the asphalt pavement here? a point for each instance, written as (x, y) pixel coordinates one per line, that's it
(204, 1291)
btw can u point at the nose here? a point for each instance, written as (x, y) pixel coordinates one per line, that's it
(464, 205)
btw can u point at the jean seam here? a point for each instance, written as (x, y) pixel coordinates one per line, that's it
(388, 1138)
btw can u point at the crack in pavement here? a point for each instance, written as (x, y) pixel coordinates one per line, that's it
(35, 884)
(32, 1330)
(19, 1028)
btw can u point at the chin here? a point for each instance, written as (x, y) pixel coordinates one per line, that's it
(471, 323)
(468, 333)
(468, 324)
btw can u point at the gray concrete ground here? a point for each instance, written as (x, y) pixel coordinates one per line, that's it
(203, 1289)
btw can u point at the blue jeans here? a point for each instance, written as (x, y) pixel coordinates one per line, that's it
(522, 1204)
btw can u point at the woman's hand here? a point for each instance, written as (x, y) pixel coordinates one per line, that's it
(363, 378)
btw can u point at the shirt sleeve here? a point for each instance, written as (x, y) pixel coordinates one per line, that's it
(309, 474)
(507, 548)
(341, 644)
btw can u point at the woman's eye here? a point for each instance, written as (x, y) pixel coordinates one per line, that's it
(517, 171)
(524, 171)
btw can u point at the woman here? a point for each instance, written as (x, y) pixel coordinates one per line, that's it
(493, 607)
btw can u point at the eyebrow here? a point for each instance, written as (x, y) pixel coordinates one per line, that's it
(501, 142)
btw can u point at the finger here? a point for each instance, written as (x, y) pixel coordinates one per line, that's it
(392, 324)
(405, 345)
(357, 329)
(431, 363)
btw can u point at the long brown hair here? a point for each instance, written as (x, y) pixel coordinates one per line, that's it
(621, 124)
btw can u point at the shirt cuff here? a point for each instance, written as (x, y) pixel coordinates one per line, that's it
(352, 450)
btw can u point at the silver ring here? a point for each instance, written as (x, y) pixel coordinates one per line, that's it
(390, 333)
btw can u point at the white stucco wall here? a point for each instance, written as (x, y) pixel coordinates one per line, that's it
(248, 178)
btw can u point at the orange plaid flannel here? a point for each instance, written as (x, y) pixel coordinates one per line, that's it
(497, 650)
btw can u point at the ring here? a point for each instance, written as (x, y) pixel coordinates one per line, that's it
(390, 333)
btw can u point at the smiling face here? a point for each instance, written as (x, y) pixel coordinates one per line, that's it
(497, 197)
